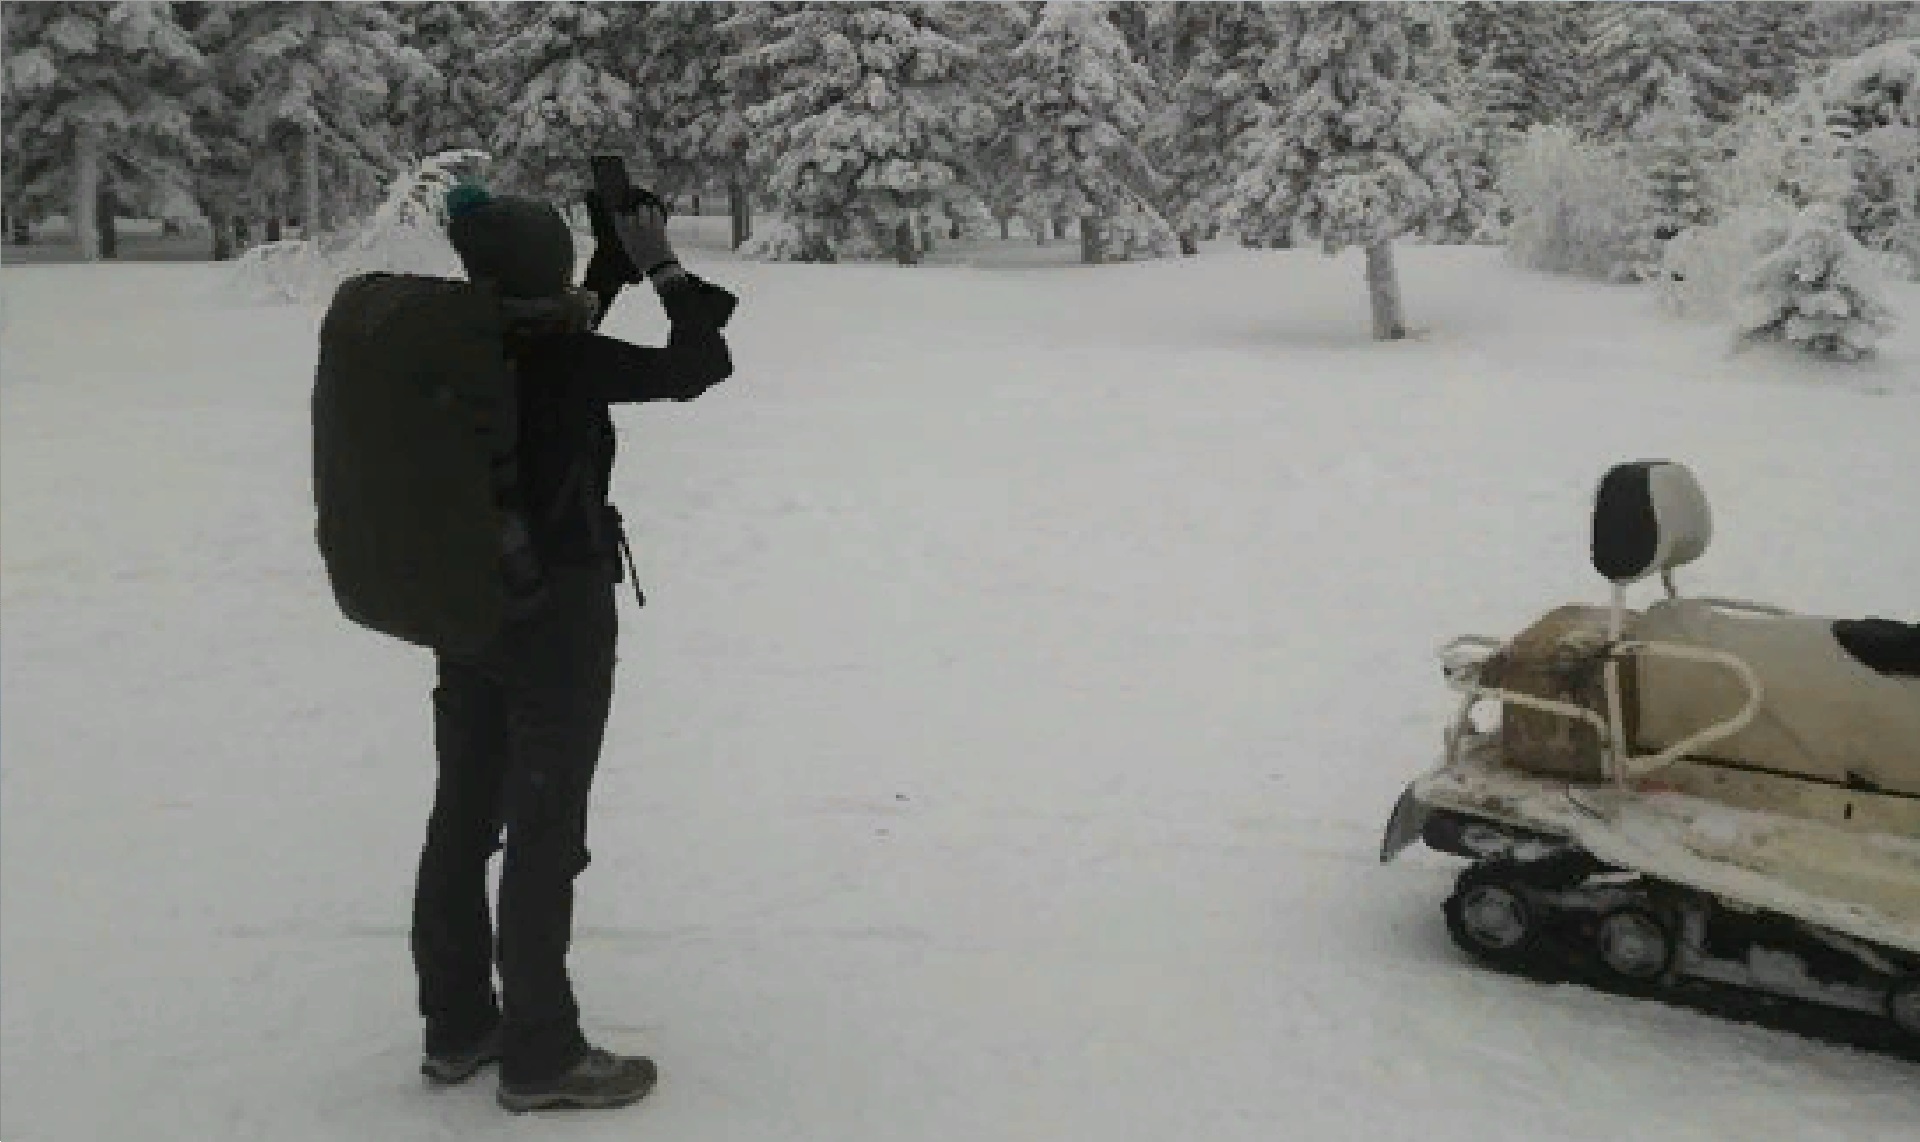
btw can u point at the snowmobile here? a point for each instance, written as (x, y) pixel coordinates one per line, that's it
(1698, 792)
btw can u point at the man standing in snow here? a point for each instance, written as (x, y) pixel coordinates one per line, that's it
(519, 725)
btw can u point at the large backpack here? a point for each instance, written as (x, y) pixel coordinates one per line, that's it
(413, 441)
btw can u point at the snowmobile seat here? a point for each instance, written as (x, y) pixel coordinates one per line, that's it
(1824, 714)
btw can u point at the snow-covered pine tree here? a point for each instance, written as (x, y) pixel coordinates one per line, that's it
(565, 68)
(993, 30)
(1439, 70)
(1872, 105)
(225, 179)
(1671, 141)
(689, 121)
(1848, 27)
(872, 124)
(1637, 52)
(1353, 153)
(1819, 291)
(96, 110)
(1077, 103)
(312, 85)
(1767, 48)
(750, 78)
(1522, 60)
(1211, 54)
(451, 107)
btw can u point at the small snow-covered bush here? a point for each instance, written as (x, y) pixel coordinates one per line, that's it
(1137, 231)
(1576, 207)
(782, 239)
(405, 234)
(1704, 268)
(1820, 291)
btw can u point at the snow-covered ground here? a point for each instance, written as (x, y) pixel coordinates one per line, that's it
(1033, 657)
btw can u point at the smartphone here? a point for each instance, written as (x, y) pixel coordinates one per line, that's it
(611, 182)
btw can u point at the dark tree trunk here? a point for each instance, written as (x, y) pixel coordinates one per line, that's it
(273, 227)
(105, 216)
(906, 244)
(1092, 248)
(740, 209)
(223, 234)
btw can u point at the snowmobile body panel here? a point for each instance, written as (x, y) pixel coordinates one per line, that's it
(1852, 867)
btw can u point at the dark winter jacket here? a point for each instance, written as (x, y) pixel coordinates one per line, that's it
(566, 383)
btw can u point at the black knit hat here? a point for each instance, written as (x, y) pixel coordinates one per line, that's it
(521, 245)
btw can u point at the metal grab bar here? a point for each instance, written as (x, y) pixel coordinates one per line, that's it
(1627, 764)
(1453, 659)
(1743, 605)
(1631, 766)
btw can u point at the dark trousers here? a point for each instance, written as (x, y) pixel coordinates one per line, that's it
(518, 730)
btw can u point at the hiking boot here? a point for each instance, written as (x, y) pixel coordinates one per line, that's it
(601, 1080)
(447, 1067)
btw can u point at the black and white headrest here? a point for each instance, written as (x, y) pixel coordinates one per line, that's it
(1648, 517)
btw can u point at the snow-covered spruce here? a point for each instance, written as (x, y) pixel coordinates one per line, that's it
(1353, 152)
(869, 128)
(1637, 54)
(567, 65)
(90, 88)
(1819, 291)
(1872, 104)
(1077, 101)
(1211, 55)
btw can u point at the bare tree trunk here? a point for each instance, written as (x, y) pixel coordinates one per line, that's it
(1383, 286)
(222, 229)
(906, 244)
(273, 226)
(106, 217)
(1092, 249)
(86, 195)
(1189, 244)
(310, 176)
(1006, 228)
(1060, 226)
(740, 209)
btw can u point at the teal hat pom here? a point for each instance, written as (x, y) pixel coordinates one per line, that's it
(466, 198)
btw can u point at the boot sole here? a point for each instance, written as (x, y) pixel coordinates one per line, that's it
(573, 1100)
(453, 1075)
(446, 1071)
